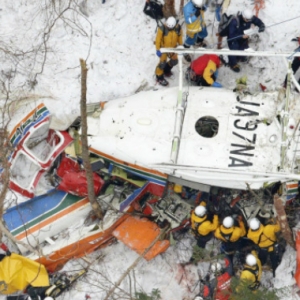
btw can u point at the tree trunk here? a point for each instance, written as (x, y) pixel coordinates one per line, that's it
(169, 9)
(181, 7)
(5, 231)
(5, 149)
(284, 225)
(85, 149)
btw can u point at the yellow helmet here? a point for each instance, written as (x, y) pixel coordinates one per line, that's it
(177, 188)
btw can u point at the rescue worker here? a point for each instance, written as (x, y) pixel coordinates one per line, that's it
(265, 238)
(169, 35)
(252, 270)
(202, 227)
(230, 236)
(295, 63)
(237, 39)
(204, 70)
(195, 25)
(218, 287)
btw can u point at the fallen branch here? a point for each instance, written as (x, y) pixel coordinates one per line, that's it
(12, 238)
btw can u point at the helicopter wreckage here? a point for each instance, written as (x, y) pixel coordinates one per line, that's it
(154, 156)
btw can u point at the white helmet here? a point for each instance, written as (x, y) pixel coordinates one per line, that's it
(228, 222)
(254, 224)
(171, 22)
(197, 3)
(251, 260)
(48, 298)
(215, 267)
(200, 211)
(198, 298)
(247, 14)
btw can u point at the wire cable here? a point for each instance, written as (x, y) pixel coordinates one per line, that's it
(237, 37)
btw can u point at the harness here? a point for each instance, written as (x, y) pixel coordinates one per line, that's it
(165, 30)
(255, 272)
(259, 240)
(223, 29)
(227, 236)
(197, 225)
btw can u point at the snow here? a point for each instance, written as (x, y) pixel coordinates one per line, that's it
(116, 39)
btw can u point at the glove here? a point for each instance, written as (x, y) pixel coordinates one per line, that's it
(240, 218)
(262, 28)
(197, 13)
(217, 84)
(295, 39)
(158, 53)
(216, 74)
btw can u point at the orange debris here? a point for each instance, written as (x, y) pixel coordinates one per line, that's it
(138, 234)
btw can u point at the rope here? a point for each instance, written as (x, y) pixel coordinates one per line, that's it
(237, 37)
(283, 22)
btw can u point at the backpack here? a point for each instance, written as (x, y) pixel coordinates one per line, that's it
(223, 29)
(154, 9)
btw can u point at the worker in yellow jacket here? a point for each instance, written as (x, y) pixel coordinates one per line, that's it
(230, 236)
(202, 227)
(251, 273)
(169, 35)
(264, 236)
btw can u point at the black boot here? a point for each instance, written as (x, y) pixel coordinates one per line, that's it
(200, 43)
(167, 70)
(186, 56)
(161, 80)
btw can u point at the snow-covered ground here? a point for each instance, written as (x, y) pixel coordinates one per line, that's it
(116, 39)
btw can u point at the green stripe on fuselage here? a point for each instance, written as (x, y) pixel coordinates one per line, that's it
(66, 202)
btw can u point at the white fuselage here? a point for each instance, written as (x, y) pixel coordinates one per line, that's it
(245, 147)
